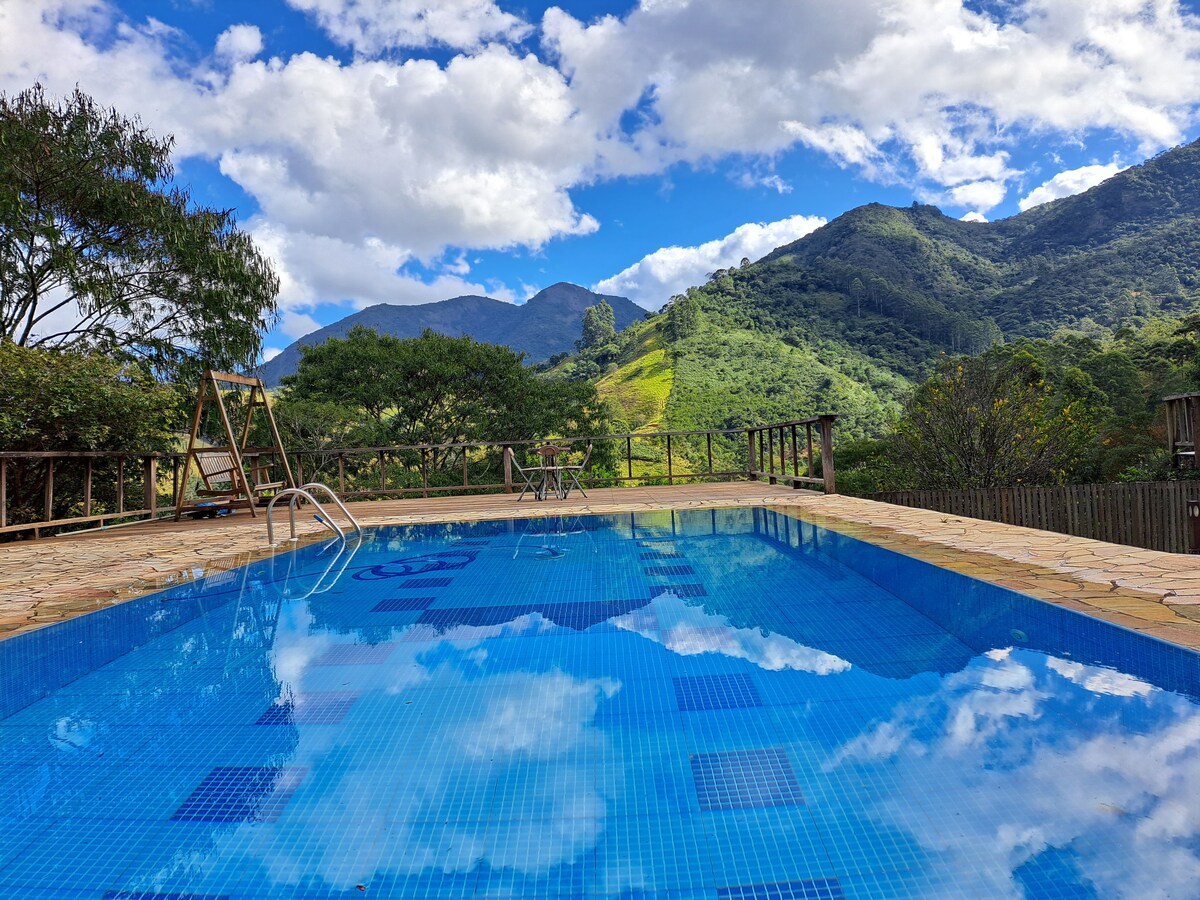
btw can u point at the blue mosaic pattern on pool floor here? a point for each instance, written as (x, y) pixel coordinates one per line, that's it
(806, 716)
(735, 691)
(816, 889)
(403, 604)
(745, 779)
(422, 584)
(319, 708)
(240, 794)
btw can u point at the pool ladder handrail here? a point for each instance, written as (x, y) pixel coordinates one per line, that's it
(304, 492)
(320, 587)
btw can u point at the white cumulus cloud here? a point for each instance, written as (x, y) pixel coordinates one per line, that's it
(239, 43)
(371, 26)
(653, 279)
(1065, 184)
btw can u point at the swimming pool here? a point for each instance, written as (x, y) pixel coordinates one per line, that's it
(705, 704)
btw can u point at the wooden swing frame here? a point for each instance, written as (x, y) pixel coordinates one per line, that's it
(226, 463)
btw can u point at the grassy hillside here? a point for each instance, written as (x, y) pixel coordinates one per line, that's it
(639, 389)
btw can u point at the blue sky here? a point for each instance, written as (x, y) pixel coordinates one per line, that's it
(402, 151)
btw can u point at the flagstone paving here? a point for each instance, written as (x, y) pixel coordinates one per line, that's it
(1157, 593)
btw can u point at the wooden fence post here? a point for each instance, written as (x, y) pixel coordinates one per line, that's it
(750, 472)
(49, 489)
(150, 485)
(508, 461)
(827, 473)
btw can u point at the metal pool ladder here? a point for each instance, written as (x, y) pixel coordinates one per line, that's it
(304, 492)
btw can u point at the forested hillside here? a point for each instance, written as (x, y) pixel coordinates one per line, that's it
(846, 319)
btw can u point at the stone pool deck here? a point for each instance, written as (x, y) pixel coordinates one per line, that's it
(1157, 593)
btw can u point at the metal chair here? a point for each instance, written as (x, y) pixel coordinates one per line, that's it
(570, 475)
(529, 476)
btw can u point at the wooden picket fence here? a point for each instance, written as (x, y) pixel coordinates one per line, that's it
(1150, 514)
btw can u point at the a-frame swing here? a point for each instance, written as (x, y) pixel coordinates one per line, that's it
(222, 469)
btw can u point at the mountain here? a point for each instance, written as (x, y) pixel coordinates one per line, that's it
(548, 323)
(844, 319)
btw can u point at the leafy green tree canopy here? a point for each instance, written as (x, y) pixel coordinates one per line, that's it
(51, 400)
(992, 420)
(599, 326)
(99, 251)
(436, 389)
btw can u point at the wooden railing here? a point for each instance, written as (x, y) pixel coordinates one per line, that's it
(41, 476)
(775, 452)
(1150, 514)
(60, 490)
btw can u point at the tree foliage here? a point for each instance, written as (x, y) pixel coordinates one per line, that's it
(992, 420)
(599, 326)
(51, 400)
(437, 389)
(99, 251)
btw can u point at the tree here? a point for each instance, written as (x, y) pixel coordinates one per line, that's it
(992, 420)
(51, 400)
(98, 251)
(57, 400)
(599, 326)
(361, 371)
(436, 389)
(683, 317)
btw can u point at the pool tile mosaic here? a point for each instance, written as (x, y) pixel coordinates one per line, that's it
(668, 571)
(422, 584)
(553, 723)
(403, 604)
(241, 794)
(744, 779)
(355, 655)
(161, 895)
(735, 691)
(310, 708)
(812, 889)
(680, 590)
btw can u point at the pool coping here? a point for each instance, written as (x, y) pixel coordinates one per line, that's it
(54, 579)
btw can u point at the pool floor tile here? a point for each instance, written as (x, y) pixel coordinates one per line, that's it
(698, 692)
(241, 794)
(743, 779)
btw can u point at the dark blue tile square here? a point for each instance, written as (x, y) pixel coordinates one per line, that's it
(355, 655)
(310, 708)
(668, 571)
(659, 554)
(680, 590)
(402, 604)
(697, 692)
(425, 583)
(160, 895)
(745, 779)
(241, 794)
(811, 889)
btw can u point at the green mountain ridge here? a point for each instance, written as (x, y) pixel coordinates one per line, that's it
(844, 319)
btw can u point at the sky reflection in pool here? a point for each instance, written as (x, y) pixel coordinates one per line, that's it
(717, 704)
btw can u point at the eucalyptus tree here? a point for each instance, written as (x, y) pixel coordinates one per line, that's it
(100, 249)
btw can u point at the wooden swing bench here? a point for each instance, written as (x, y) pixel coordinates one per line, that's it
(234, 476)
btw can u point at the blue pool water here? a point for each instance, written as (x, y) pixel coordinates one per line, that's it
(729, 704)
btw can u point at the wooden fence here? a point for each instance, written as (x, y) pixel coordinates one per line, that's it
(51, 491)
(1150, 514)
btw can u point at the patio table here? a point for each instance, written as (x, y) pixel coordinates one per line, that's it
(551, 471)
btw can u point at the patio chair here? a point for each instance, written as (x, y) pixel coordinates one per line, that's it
(570, 475)
(533, 478)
